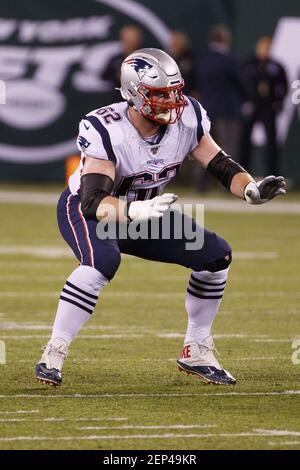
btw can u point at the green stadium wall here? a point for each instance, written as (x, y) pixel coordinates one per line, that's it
(248, 20)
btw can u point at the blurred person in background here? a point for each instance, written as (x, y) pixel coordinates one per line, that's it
(222, 88)
(180, 50)
(131, 37)
(268, 88)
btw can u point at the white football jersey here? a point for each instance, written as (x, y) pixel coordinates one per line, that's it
(142, 168)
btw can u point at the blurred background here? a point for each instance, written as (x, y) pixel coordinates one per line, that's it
(60, 59)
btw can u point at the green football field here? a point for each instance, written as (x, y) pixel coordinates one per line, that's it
(121, 388)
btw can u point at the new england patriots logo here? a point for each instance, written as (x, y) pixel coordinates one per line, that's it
(141, 66)
(84, 144)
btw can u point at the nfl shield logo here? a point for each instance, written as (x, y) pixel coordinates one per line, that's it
(154, 150)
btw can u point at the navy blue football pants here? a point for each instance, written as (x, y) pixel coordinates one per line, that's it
(104, 255)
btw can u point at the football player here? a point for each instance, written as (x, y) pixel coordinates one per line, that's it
(129, 152)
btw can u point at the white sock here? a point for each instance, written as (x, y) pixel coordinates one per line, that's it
(77, 302)
(203, 299)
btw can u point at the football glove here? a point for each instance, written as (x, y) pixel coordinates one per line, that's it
(150, 209)
(264, 190)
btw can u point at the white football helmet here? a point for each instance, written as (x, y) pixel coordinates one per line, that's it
(151, 82)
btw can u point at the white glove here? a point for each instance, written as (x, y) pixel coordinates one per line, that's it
(150, 209)
(264, 190)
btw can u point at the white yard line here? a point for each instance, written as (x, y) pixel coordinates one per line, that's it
(250, 312)
(173, 359)
(277, 432)
(129, 336)
(256, 339)
(146, 436)
(156, 395)
(152, 295)
(284, 443)
(175, 335)
(171, 426)
(256, 255)
(264, 293)
(278, 206)
(13, 326)
(129, 294)
(24, 326)
(39, 251)
(260, 358)
(28, 197)
(31, 277)
(16, 326)
(279, 340)
(133, 329)
(247, 255)
(31, 264)
(19, 412)
(59, 420)
(65, 252)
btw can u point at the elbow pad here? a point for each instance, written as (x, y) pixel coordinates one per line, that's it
(93, 188)
(224, 168)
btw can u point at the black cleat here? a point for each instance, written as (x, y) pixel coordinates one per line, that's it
(48, 376)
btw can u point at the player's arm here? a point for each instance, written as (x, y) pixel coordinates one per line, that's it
(233, 176)
(97, 182)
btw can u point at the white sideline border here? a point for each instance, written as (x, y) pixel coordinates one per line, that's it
(211, 204)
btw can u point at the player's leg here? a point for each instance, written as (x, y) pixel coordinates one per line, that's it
(99, 260)
(203, 299)
(207, 283)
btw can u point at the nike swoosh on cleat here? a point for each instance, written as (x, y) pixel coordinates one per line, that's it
(209, 376)
(87, 127)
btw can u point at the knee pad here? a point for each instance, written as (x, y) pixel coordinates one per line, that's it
(219, 264)
(89, 279)
(107, 262)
